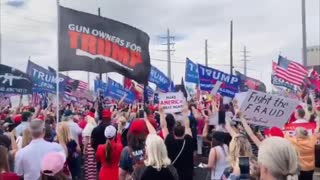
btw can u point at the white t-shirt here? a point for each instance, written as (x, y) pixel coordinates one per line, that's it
(28, 159)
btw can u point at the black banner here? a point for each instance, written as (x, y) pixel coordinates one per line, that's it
(250, 83)
(13, 81)
(97, 44)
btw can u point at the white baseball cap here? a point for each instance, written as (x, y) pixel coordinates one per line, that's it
(110, 132)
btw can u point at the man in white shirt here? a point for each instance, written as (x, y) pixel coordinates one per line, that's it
(26, 117)
(300, 115)
(28, 159)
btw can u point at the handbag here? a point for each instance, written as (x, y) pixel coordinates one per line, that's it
(184, 143)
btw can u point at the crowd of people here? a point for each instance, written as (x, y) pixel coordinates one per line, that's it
(142, 142)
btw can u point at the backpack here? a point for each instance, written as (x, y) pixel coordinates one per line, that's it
(137, 158)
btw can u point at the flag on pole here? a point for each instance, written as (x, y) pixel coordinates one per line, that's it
(290, 71)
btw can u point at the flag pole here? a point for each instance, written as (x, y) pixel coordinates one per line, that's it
(57, 72)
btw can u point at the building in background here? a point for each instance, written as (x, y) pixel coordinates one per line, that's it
(313, 54)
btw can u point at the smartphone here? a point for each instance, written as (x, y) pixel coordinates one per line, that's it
(244, 165)
(141, 114)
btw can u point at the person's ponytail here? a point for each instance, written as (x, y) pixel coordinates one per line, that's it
(108, 151)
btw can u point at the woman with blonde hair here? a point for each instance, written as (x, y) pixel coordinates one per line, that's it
(305, 145)
(26, 137)
(72, 149)
(157, 164)
(239, 147)
(278, 160)
(90, 166)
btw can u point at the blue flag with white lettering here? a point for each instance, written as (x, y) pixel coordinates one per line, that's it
(117, 91)
(192, 74)
(160, 79)
(100, 86)
(43, 79)
(209, 76)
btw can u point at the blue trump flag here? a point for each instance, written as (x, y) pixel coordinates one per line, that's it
(43, 79)
(209, 76)
(100, 86)
(117, 91)
(159, 78)
(192, 74)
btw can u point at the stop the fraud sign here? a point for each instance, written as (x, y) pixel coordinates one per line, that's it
(171, 102)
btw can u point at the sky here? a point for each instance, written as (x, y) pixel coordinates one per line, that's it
(266, 27)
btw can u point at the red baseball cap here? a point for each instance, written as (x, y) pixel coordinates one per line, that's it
(106, 113)
(274, 131)
(17, 119)
(138, 126)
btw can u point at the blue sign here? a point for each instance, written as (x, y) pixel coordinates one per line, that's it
(43, 79)
(192, 74)
(100, 86)
(150, 91)
(209, 76)
(280, 82)
(117, 91)
(159, 78)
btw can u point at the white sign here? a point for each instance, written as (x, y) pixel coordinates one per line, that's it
(15, 100)
(265, 109)
(171, 102)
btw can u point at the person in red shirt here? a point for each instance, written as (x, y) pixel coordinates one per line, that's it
(109, 154)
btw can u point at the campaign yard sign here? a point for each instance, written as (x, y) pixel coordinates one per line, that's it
(208, 77)
(265, 109)
(171, 102)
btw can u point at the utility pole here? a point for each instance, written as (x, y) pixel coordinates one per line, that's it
(0, 44)
(0, 38)
(169, 50)
(304, 33)
(245, 60)
(206, 51)
(231, 41)
(100, 74)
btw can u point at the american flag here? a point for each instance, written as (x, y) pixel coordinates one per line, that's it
(75, 85)
(40, 99)
(82, 86)
(290, 71)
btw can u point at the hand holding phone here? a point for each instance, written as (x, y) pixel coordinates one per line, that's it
(244, 165)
